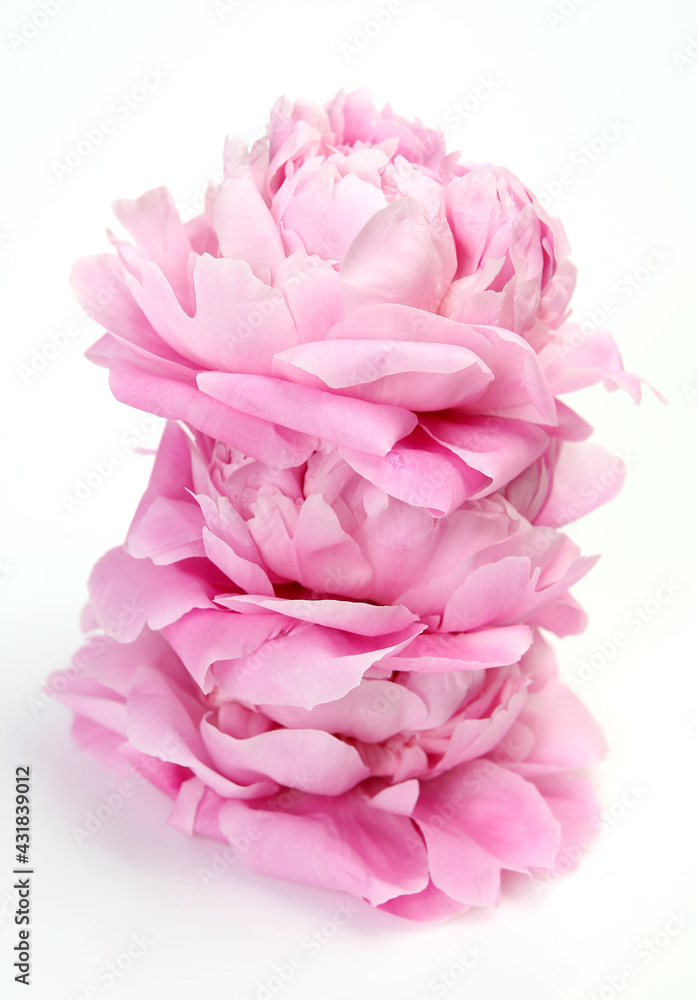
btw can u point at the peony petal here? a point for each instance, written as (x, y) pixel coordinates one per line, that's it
(245, 227)
(307, 759)
(585, 476)
(399, 256)
(491, 593)
(127, 593)
(351, 616)
(566, 735)
(438, 652)
(499, 449)
(518, 389)
(202, 637)
(430, 904)
(239, 322)
(415, 375)
(174, 399)
(160, 236)
(312, 291)
(333, 842)
(169, 530)
(420, 472)
(351, 422)
(163, 723)
(372, 712)
(400, 798)
(478, 819)
(307, 666)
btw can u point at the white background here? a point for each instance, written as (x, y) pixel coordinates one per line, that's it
(553, 83)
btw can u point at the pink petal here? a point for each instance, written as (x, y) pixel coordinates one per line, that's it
(585, 476)
(202, 637)
(352, 616)
(478, 819)
(239, 322)
(415, 375)
(169, 530)
(153, 222)
(400, 798)
(428, 905)
(351, 422)
(329, 560)
(399, 256)
(163, 722)
(420, 472)
(127, 593)
(594, 358)
(325, 210)
(491, 593)
(336, 843)
(499, 449)
(573, 803)
(176, 400)
(438, 652)
(566, 735)
(312, 291)
(245, 227)
(518, 389)
(307, 666)
(371, 712)
(307, 759)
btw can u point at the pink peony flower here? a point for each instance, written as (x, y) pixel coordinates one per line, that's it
(348, 691)
(351, 283)
(323, 637)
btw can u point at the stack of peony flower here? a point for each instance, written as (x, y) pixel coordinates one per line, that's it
(341, 573)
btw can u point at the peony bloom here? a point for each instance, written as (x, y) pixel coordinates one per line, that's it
(350, 283)
(323, 638)
(364, 684)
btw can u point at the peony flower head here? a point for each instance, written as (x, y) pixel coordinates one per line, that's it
(349, 282)
(365, 684)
